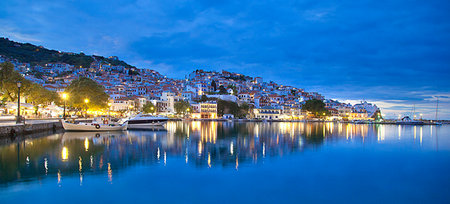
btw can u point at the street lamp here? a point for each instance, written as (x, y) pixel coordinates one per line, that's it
(151, 108)
(19, 84)
(64, 97)
(109, 111)
(131, 109)
(86, 101)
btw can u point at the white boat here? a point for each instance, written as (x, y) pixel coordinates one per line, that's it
(144, 121)
(97, 125)
(408, 121)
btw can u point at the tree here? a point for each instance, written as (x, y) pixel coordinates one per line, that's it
(38, 95)
(149, 108)
(204, 98)
(33, 92)
(8, 82)
(181, 107)
(229, 107)
(243, 110)
(85, 88)
(316, 107)
(214, 85)
(222, 90)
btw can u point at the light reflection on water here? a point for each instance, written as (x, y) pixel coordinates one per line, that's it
(204, 145)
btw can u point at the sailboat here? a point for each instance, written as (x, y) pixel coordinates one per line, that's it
(408, 121)
(436, 117)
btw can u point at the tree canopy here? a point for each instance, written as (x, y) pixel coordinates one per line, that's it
(33, 92)
(316, 107)
(222, 90)
(149, 108)
(214, 85)
(29, 53)
(85, 88)
(229, 107)
(181, 107)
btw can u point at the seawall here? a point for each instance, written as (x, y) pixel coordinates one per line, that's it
(23, 129)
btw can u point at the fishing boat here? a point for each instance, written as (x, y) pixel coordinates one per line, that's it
(145, 121)
(97, 125)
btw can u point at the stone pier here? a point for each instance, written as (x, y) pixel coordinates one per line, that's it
(12, 130)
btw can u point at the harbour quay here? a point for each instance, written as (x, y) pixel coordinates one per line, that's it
(11, 129)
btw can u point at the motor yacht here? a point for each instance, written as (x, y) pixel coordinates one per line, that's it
(145, 121)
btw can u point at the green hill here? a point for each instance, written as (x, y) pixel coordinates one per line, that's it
(38, 55)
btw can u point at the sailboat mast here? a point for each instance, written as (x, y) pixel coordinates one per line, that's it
(437, 105)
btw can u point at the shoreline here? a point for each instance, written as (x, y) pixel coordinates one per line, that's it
(14, 130)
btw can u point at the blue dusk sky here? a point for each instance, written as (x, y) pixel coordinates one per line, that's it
(393, 53)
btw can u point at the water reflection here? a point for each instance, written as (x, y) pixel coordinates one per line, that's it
(199, 144)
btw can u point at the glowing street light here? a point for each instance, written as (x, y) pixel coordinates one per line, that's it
(86, 101)
(64, 96)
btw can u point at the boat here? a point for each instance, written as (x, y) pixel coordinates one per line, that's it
(408, 121)
(145, 121)
(97, 125)
(360, 122)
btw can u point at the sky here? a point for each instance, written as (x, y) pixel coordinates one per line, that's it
(394, 53)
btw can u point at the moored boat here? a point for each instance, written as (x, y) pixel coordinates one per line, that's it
(408, 121)
(96, 125)
(144, 121)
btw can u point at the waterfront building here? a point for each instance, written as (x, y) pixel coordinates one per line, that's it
(267, 112)
(205, 110)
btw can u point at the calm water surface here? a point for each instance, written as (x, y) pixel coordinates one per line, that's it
(215, 162)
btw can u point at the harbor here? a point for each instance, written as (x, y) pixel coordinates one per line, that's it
(209, 155)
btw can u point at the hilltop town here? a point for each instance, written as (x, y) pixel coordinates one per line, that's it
(130, 88)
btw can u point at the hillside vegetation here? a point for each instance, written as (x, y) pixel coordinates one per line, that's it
(38, 55)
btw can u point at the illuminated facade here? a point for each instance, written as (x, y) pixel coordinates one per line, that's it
(267, 112)
(206, 110)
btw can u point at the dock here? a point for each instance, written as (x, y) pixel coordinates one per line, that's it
(11, 129)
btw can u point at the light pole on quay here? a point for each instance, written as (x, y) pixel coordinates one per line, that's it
(86, 101)
(19, 84)
(109, 111)
(64, 96)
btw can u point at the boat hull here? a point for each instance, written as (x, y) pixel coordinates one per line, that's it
(145, 125)
(410, 123)
(91, 127)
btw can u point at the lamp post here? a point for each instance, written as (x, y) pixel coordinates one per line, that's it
(109, 111)
(64, 97)
(19, 84)
(151, 108)
(131, 109)
(86, 101)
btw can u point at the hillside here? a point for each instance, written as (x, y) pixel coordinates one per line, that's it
(38, 55)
